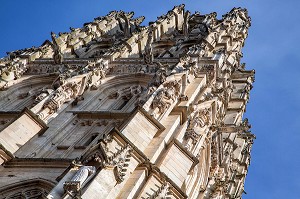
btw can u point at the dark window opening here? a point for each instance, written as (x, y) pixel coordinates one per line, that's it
(122, 105)
(90, 140)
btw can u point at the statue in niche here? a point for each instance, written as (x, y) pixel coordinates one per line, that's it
(172, 89)
(148, 54)
(57, 55)
(159, 77)
(81, 177)
(83, 174)
(185, 25)
(101, 66)
(166, 96)
(200, 118)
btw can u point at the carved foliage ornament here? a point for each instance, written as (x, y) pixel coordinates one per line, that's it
(120, 161)
(162, 192)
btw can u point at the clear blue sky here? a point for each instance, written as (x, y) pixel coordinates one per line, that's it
(272, 49)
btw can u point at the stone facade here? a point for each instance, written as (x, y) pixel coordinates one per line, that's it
(119, 110)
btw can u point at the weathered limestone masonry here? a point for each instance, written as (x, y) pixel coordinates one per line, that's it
(118, 110)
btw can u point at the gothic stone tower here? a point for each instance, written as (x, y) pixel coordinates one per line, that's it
(118, 110)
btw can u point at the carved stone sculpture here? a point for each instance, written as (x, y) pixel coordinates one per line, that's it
(185, 26)
(166, 96)
(57, 55)
(126, 27)
(81, 177)
(83, 173)
(148, 56)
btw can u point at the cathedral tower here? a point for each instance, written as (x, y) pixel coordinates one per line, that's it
(118, 110)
